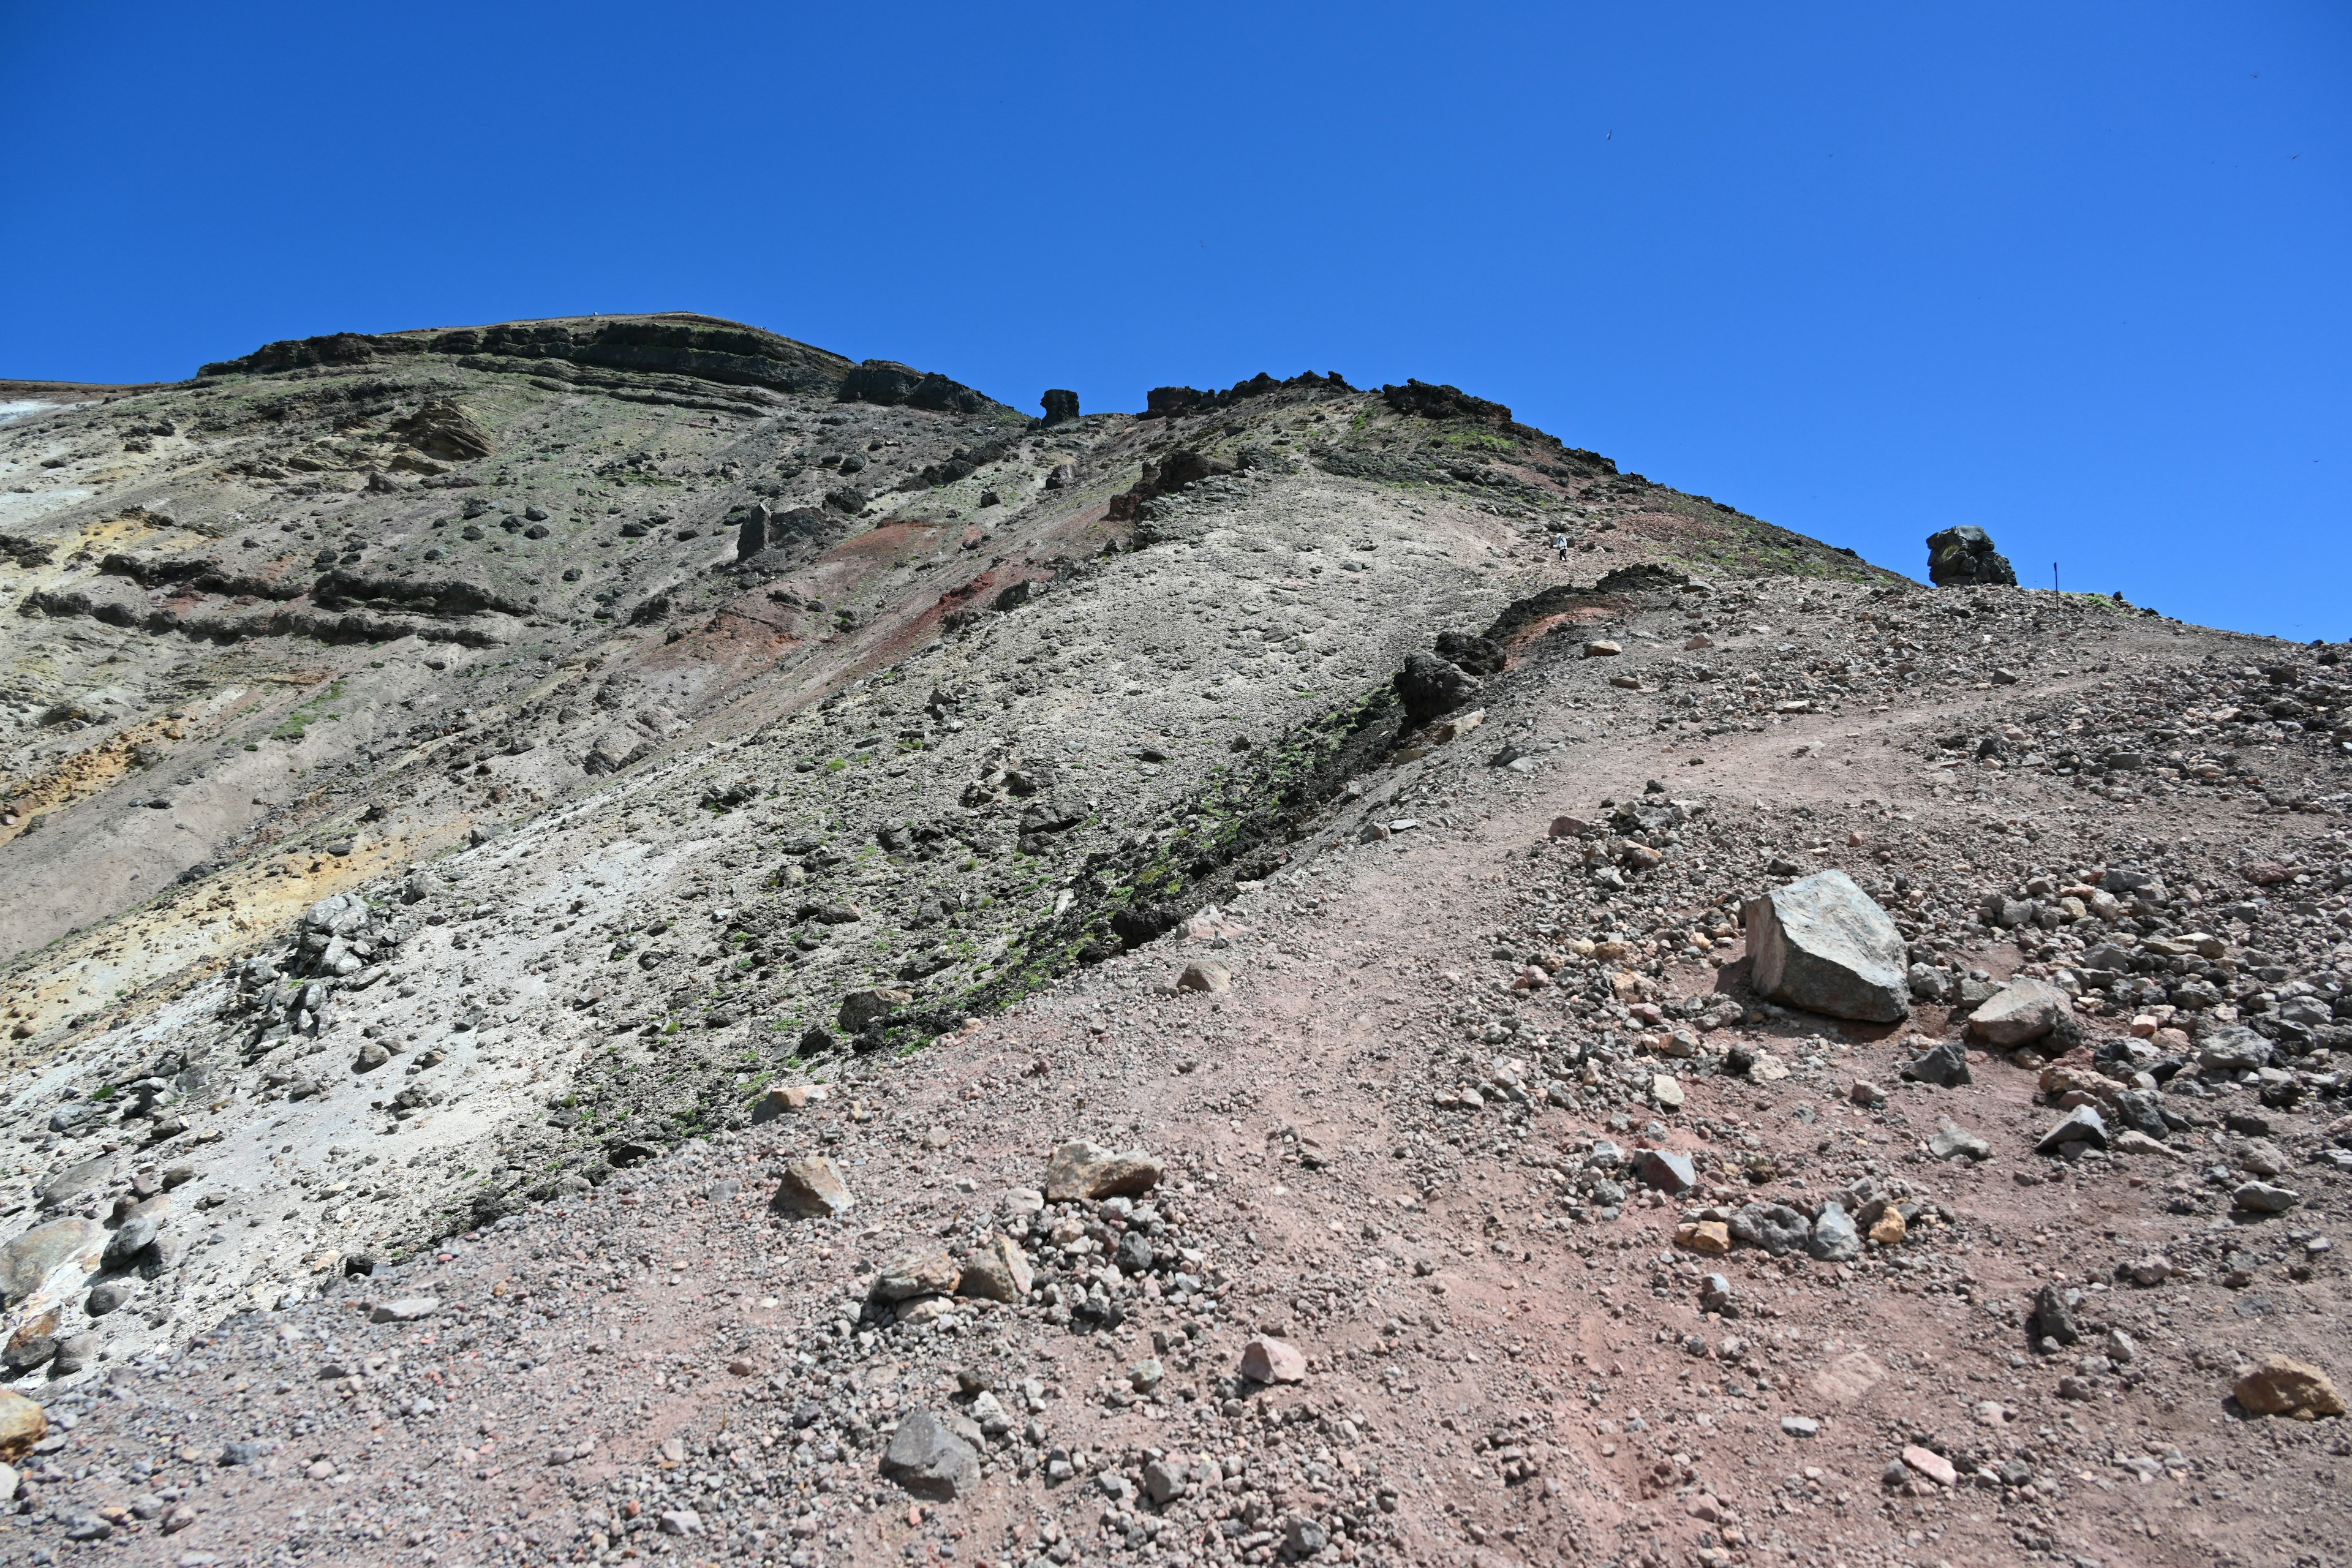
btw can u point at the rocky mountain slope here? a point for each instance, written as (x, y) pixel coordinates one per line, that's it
(492, 807)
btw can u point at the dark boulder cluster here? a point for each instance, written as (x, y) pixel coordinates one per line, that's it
(1964, 557)
(1435, 683)
(1428, 401)
(1170, 402)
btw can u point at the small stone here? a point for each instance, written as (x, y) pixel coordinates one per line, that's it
(812, 1188)
(923, 1270)
(2261, 1197)
(1867, 1094)
(2021, 1011)
(928, 1460)
(1834, 1239)
(997, 1271)
(1801, 1426)
(372, 1056)
(1268, 1359)
(75, 1352)
(1602, 649)
(1932, 1465)
(1669, 1171)
(88, 1527)
(406, 1310)
(2080, 1125)
(1775, 1227)
(681, 1521)
(1668, 1090)
(1708, 1238)
(1890, 1229)
(2053, 1315)
(784, 1099)
(1946, 1065)
(2280, 1386)
(2153, 1269)
(1162, 1481)
(2234, 1049)
(2121, 1348)
(105, 1296)
(1144, 1376)
(1080, 1171)
(1304, 1537)
(1209, 977)
(1954, 1142)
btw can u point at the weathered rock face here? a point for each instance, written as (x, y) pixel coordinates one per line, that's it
(1823, 945)
(1060, 405)
(1964, 556)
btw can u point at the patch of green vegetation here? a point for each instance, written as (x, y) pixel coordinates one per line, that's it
(1484, 442)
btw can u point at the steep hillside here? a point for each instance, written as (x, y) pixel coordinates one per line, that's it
(486, 802)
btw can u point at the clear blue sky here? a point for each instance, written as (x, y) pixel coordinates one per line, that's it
(2076, 273)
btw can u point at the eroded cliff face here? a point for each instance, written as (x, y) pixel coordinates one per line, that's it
(442, 764)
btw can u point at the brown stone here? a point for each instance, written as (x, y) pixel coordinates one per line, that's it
(998, 1271)
(22, 1425)
(1209, 977)
(1710, 1236)
(814, 1188)
(2280, 1386)
(1267, 1360)
(922, 1270)
(1082, 1172)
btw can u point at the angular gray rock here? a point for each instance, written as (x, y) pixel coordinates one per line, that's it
(2053, 1315)
(1822, 944)
(2234, 1049)
(1834, 1239)
(1946, 1065)
(2021, 1011)
(929, 1460)
(1775, 1227)
(2083, 1124)
(1668, 1170)
(2261, 1197)
(1953, 1141)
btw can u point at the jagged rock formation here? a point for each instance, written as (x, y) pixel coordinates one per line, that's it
(1964, 557)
